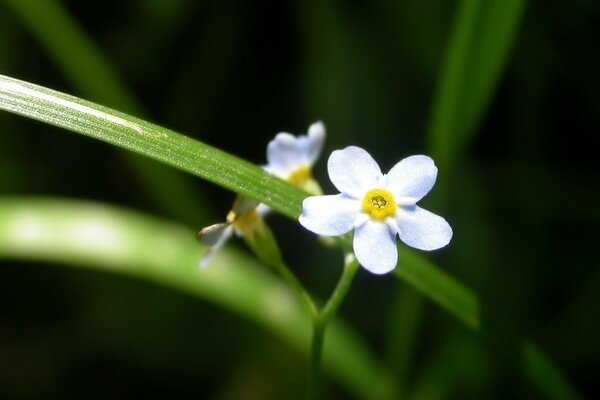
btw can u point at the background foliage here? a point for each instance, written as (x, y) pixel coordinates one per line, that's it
(521, 192)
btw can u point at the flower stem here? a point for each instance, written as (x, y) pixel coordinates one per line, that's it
(314, 376)
(321, 321)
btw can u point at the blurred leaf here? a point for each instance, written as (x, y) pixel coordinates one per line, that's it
(464, 305)
(84, 65)
(103, 237)
(151, 140)
(479, 44)
(74, 52)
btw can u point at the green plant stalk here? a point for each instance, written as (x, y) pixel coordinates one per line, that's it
(321, 321)
(262, 242)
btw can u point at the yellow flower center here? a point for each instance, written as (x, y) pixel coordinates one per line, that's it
(300, 177)
(247, 222)
(379, 204)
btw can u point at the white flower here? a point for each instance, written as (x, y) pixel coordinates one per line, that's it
(290, 158)
(378, 207)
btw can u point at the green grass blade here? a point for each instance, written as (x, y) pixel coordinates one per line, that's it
(439, 287)
(150, 140)
(103, 237)
(74, 53)
(475, 57)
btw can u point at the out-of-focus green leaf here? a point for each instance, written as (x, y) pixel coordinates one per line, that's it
(83, 64)
(444, 290)
(102, 237)
(150, 140)
(476, 54)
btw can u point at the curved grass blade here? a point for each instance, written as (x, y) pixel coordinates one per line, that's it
(99, 236)
(150, 140)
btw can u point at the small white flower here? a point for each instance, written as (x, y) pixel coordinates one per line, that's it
(378, 207)
(290, 158)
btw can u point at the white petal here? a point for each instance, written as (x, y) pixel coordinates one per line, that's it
(286, 153)
(412, 178)
(375, 247)
(353, 171)
(422, 229)
(316, 138)
(219, 234)
(331, 215)
(263, 209)
(213, 234)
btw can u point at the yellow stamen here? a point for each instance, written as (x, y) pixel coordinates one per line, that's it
(247, 222)
(300, 177)
(379, 204)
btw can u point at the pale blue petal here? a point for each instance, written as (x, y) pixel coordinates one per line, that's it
(422, 229)
(316, 138)
(286, 153)
(216, 236)
(330, 215)
(375, 247)
(353, 171)
(412, 178)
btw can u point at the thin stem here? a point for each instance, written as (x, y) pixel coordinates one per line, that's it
(334, 302)
(321, 321)
(314, 377)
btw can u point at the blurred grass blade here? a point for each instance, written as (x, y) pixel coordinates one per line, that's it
(476, 54)
(151, 140)
(464, 305)
(83, 64)
(74, 53)
(102, 237)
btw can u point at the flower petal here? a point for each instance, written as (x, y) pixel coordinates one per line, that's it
(316, 138)
(412, 178)
(422, 229)
(353, 171)
(284, 154)
(214, 236)
(331, 215)
(375, 247)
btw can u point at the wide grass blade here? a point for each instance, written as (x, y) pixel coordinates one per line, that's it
(106, 238)
(150, 140)
(475, 57)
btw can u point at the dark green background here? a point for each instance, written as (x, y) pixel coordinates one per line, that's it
(523, 200)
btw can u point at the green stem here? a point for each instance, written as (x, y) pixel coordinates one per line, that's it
(314, 377)
(321, 320)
